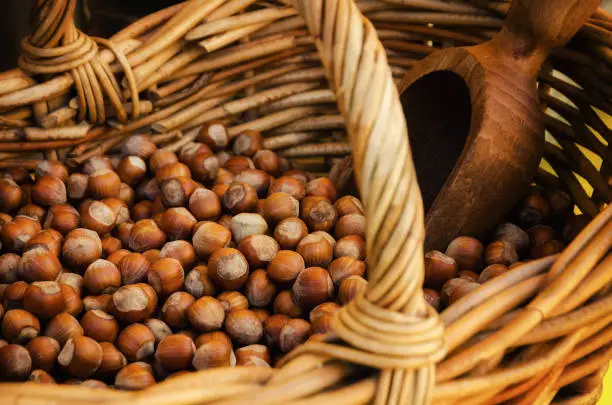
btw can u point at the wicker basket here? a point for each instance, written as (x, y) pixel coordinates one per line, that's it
(538, 334)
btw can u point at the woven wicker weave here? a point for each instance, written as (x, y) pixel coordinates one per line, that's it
(519, 339)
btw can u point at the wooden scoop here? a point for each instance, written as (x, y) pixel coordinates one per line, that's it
(474, 118)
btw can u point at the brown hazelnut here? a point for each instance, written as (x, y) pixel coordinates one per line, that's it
(206, 314)
(432, 297)
(31, 210)
(98, 217)
(456, 288)
(224, 177)
(285, 266)
(211, 336)
(161, 158)
(145, 235)
(166, 276)
(351, 224)
(51, 168)
(225, 221)
(197, 282)
(253, 356)
(63, 327)
(289, 232)
(95, 163)
(81, 248)
(348, 205)
(102, 277)
(204, 167)
(204, 204)
(81, 356)
(273, 326)
(142, 210)
(318, 213)
(133, 268)
(312, 287)
(100, 326)
(72, 280)
(122, 232)
(240, 197)
(19, 326)
(293, 334)
(76, 186)
(533, 210)
(321, 325)
(177, 223)
(13, 295)
(139, 145)
(468, 275)
(288, 185)
(216, 353)
(116, 256)
(540, 234)
(268, 161)
(214, 135)
(131, 170)
(39, 264)
(15, 363)
(175, 192)
(62, 218)
(174, 311)
(180, 250)
(49, 191)
(133, 302)
(110, 245)
(258, 179)
(209, 238)
(104, 184)
(9, 268)
(315, 250)
(247, 224)
(560, 203)
(136, 342)
(514, 235)
(192, 149)
(233, 301)
(134, 377)
(284, 304)
(175, 352)
(112, 359)
(247, 143)
(573, 226)
(261, 313)
(158, 327)
(17, 233)
(259, 250)
(322, 187)
(467, 252)
(72, 300)
(439, 268)
(499, 252)
(19, 175)
(350, 287)
(492, 271)
(44, 299)
(237, 164)
(259, 289)
(223, 157)
(353, 246)
(324, 309)
(551, 247)
(345, 267)
(279, 206)
(228, 268)
(243, 326)
(43, 351)
(220, 190)
(11, 195)
(120, 208)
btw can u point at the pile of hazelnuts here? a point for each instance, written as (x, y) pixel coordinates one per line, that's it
(150, 263)
(541, 225)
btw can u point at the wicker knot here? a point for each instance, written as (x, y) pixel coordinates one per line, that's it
(56, 46)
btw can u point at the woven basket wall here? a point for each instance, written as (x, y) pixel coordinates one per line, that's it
(319, 83)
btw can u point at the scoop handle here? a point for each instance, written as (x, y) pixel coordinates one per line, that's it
(533, 28)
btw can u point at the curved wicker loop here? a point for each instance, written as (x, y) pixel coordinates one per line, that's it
(57, 46)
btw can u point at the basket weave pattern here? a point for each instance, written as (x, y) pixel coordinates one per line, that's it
(520, 338)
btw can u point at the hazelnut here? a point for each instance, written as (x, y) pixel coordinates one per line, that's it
(197, 282)
(216, 353)
(348, 205)
(104, 184)
(63, 327)
(142, 210)
(500, 252)
(284, 304)
(240, 197)
(76, 186)
(206, 314)
(225, 221)
(204, 204)
(466, 251)
(247, 143)
(547, 248)
(131, 170)
(432, 297)
(492, 271)
(228, 268)
(345, 267)
(95, 163)
(258, 179)
(166, 276)
(353, 246)
(573, 226)
(180, 250)
(9, 268)
(273, 326)
(175, 192)
(534, 210)
(15, 363)
(161, 158)
(293, 334)
(102, 277)
(456, 288)
(350, 287)
(214, 135)
(175, 352)
(289, 232)
(513, 235)
(259, 250)
(44, 299)
(11, 195)
(288, 185)
(468, 275)
(122, 232)
(204, 167)
(62, 218)
(174, 311)
(50, 239)
(243, 326)
(312, 287)
(247, 224)
(279, 206)
(192, 149)
(285, 266)
(262, 314)
(351, 224)
(81, 356)
(13, 295)
(259, 290)
(49, 191)
(211, 336)
(17, 233)
(315, 250)
(119, 208)
(158, 327)
(322, 187)
(72, 300)
(220, 190)
(301, 175)
(439, 268)
(100, 326)
(152, 255)
(19, 175)
(133, 302)
(253, 355)
(321, 325)
(210, 237)
(145, 235)
(41, 377)
(324, 309)
(133, 268)
(39, 264)
(112, 359)
(81, 248)
(51, 168)
(139, 145)
(110, 245)
(177, 223)
(30, 210)
(136, 342)
(237, 164)
(540, 234)
(19, 326)
(267, 161)
(116, 256)
(560, 203)
(233, 301)
(134, 377)
(318, 213)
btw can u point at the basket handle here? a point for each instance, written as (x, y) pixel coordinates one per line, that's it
(389, 327)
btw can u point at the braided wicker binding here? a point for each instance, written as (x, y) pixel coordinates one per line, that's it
(537, 334)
